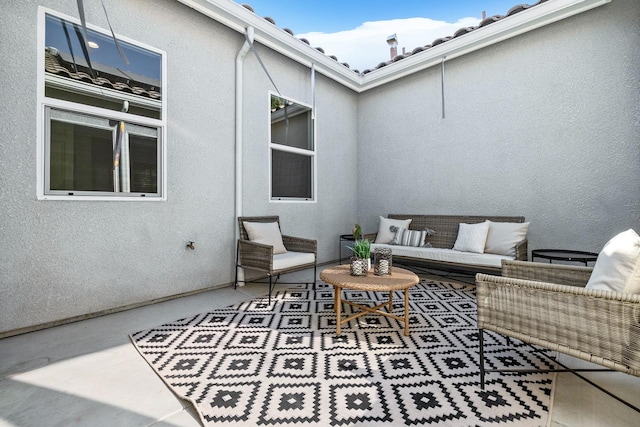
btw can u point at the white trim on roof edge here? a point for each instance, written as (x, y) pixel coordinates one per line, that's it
(239, 18)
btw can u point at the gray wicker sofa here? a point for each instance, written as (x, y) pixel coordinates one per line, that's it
(440, 256)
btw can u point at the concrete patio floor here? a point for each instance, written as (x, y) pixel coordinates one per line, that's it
(89, 374)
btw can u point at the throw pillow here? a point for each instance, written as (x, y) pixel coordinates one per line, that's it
(404, 237)
(385, 235)
(503, 237)
(618, 265)
(267, 233)
(471, 237)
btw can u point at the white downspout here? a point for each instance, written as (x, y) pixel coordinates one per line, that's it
(239, 83)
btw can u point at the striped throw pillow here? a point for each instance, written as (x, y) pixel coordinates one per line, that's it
(405, 237)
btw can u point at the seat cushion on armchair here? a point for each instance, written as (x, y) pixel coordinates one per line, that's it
(618, 265)
(291, 259)
(267, 233)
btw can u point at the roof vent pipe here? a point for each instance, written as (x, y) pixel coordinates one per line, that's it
(239, 96)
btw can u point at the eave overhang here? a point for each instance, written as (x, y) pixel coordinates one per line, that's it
(239, 18)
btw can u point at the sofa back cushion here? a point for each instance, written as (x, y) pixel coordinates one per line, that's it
(385, 235)
(472, 237)
(446, 226)
(503, 237)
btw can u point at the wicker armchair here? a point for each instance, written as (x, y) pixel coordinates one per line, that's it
(547, 305)
(260, 257)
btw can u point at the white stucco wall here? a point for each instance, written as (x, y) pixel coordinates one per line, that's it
(335, 208)
(61, 259)
(545, 125)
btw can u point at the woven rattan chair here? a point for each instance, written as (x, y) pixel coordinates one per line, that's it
(547, 305)
(260, 257)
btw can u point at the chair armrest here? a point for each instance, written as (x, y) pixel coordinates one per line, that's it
(522, 250)
(599, 326)
(299, 244)
(561, 274)
(255, 255)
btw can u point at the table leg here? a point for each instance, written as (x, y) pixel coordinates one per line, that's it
(338, 308)
(406, 312)
(390, 301)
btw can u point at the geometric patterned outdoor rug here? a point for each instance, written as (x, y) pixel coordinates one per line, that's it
(282, 364)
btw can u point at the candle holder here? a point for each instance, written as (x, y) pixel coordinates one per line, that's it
(382, 261)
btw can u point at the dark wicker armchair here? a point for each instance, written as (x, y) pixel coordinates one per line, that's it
(548, 305)
(260, 257)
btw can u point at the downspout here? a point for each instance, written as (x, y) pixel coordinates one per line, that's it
(239, 83)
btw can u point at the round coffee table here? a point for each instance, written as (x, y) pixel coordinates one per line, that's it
(399, 279)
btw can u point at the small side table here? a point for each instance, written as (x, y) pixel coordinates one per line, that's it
(564, 255)
(344, 238)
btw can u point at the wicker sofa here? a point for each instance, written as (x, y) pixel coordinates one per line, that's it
(440, 255)
(548, 305)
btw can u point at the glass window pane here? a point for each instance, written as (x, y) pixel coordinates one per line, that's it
(143, 152)
(69, 64)
(290, 175)
(81, 158)
(291, 124)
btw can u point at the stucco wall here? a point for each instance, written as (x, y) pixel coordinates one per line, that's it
(335, 210)
(545, 125)
(60, 259)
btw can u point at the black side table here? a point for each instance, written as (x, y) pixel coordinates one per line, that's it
(344, 238)
(564, 255)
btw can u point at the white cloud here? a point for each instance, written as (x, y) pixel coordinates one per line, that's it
(366, 46)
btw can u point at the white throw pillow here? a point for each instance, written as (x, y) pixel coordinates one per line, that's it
(471, 237)
(385, 235)
(267, 233)
(618, 265)
(503, 237)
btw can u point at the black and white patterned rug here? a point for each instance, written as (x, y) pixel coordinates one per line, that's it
(282, 364)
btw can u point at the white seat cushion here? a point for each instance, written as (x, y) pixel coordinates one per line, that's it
(291, 259)
(618, 265)
(445, 255)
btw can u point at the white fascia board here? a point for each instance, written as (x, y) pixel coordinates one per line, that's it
(239, 18)
(511, 26)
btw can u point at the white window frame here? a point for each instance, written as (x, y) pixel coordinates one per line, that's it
(43, 102)
(309, 153)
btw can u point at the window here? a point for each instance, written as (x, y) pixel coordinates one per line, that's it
(102, 115)
(292, 148)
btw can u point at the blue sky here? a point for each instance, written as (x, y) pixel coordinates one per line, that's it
(305, 16)
(356, 30)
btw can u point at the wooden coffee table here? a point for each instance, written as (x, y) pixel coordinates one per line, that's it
(340, 278)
